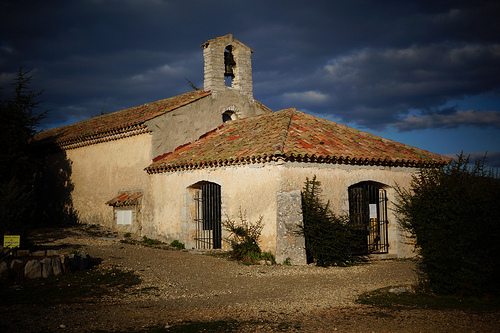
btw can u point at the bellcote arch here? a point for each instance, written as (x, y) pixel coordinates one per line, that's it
(230, 113)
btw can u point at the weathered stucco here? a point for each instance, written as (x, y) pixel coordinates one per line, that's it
(188, 123)
(255, 190)
(335, 180)
(251, 189)
(101, 171)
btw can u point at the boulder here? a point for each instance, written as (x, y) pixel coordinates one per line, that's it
(74, 261)
(53, 253)
(57, 266)
(22, 253)
(38, 254)
(84, 262)
(4, 270)
(46, 267)
(65, 263)
(17, 267)
(33, 269)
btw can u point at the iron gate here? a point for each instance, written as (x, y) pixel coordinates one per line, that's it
(368, 211)
(208, 217)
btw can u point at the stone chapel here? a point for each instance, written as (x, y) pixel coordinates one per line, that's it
(173, 169)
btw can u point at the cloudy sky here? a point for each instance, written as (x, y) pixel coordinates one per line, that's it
(425, 73)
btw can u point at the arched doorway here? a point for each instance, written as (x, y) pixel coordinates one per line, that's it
(207, 198)
(368, 211)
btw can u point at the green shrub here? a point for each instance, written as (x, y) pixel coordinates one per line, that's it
(149, 241)
(452, 213)
(329, 238)
(127, 235)
(268, 256)
(244, 238)
(177, 244)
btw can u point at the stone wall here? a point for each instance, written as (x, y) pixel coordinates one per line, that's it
(213, 54)
(42, 264)
(290, 246)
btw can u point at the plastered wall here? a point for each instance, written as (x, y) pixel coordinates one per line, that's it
(188, 123)
(251, 189)
(101, 171)
(254, 188)
(335, 180)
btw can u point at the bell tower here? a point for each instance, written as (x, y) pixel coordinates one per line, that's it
(228, 66)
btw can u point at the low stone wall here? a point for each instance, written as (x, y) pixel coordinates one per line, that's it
(42, 264)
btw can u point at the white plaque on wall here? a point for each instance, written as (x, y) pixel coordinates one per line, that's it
(373, 211)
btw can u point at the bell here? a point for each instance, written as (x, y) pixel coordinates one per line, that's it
(228, 64)
(229, 71)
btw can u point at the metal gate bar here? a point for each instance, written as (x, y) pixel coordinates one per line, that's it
(370, 228)
(208, 217)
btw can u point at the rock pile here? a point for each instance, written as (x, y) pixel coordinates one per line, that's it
(42, 264)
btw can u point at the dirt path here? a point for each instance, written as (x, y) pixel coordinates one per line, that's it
(182, 287)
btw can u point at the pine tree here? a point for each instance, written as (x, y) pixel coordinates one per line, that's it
(329, 239)
(19, 120)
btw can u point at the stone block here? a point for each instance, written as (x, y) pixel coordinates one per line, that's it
(289, 245)
(84, 262)
(38, 254)
(46, 267)
(4, 270)
(53, 253)
(17, 267)
(66, 267)
(57, 268)
(22, 253)
(33, 269)
(73, 261)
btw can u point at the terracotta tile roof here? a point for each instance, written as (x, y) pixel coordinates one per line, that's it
(292, 136)
(119, 123)
(125, 199)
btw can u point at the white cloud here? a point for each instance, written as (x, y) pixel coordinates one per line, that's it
(309, 97)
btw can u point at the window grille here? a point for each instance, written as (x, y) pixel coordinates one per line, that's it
(208, 216)
(368, 211)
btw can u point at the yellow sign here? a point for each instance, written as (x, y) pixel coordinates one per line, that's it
(11, 241)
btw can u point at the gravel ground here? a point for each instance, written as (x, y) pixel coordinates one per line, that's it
(180, 287)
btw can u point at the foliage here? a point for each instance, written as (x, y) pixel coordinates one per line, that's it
(412, 299)
(18, 162)
(268, 256)
(177, 244)
(452, 213)
(149, 241)
(328, 237)
(244, 238)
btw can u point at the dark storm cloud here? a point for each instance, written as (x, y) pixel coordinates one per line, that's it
(368, 62)
(453, 120)
(374, 85)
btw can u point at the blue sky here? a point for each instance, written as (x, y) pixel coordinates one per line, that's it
(424, 73)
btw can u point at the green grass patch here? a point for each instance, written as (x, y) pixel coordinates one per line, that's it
(418, 299)
(77, 287)
(149, 241)
(178, 245)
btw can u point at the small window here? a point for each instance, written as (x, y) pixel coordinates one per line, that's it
(228, 115)
(124, 217)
